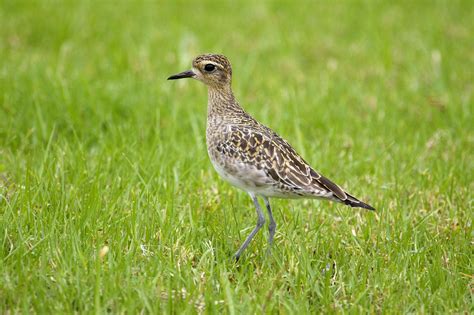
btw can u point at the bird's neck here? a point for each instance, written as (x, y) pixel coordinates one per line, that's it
(221, 102)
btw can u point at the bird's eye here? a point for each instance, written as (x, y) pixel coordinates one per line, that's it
(209, 67)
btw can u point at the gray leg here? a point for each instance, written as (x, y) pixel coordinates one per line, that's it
(272, 226)
(260, 223)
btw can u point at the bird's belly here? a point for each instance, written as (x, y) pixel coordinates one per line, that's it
(251, 179)
(243, 176)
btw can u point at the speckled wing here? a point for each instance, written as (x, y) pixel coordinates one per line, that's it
(269, 152)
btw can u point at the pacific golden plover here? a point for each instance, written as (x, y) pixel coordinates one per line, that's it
(250, 155)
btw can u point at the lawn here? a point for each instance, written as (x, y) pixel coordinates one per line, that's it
(108, 201)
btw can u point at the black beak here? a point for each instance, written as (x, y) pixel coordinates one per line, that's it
(182, 75)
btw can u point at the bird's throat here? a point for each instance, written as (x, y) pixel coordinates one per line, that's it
(221, 102)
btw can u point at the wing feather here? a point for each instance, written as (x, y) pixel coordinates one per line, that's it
(268, 151)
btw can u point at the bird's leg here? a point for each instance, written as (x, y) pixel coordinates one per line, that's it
(272, 225)
(260, 223)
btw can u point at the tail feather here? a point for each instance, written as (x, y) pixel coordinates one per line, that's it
(356, 203)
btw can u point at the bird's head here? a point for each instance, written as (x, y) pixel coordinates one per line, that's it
(211, 69)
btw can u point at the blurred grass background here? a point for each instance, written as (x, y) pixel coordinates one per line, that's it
(98, 151)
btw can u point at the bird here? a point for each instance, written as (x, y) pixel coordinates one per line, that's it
(250, 155)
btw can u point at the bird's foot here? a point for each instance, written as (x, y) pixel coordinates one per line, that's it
(331, 269)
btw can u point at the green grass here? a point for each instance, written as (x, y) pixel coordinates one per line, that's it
(98, 149)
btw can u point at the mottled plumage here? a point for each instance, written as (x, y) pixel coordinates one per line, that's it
(250, 155)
